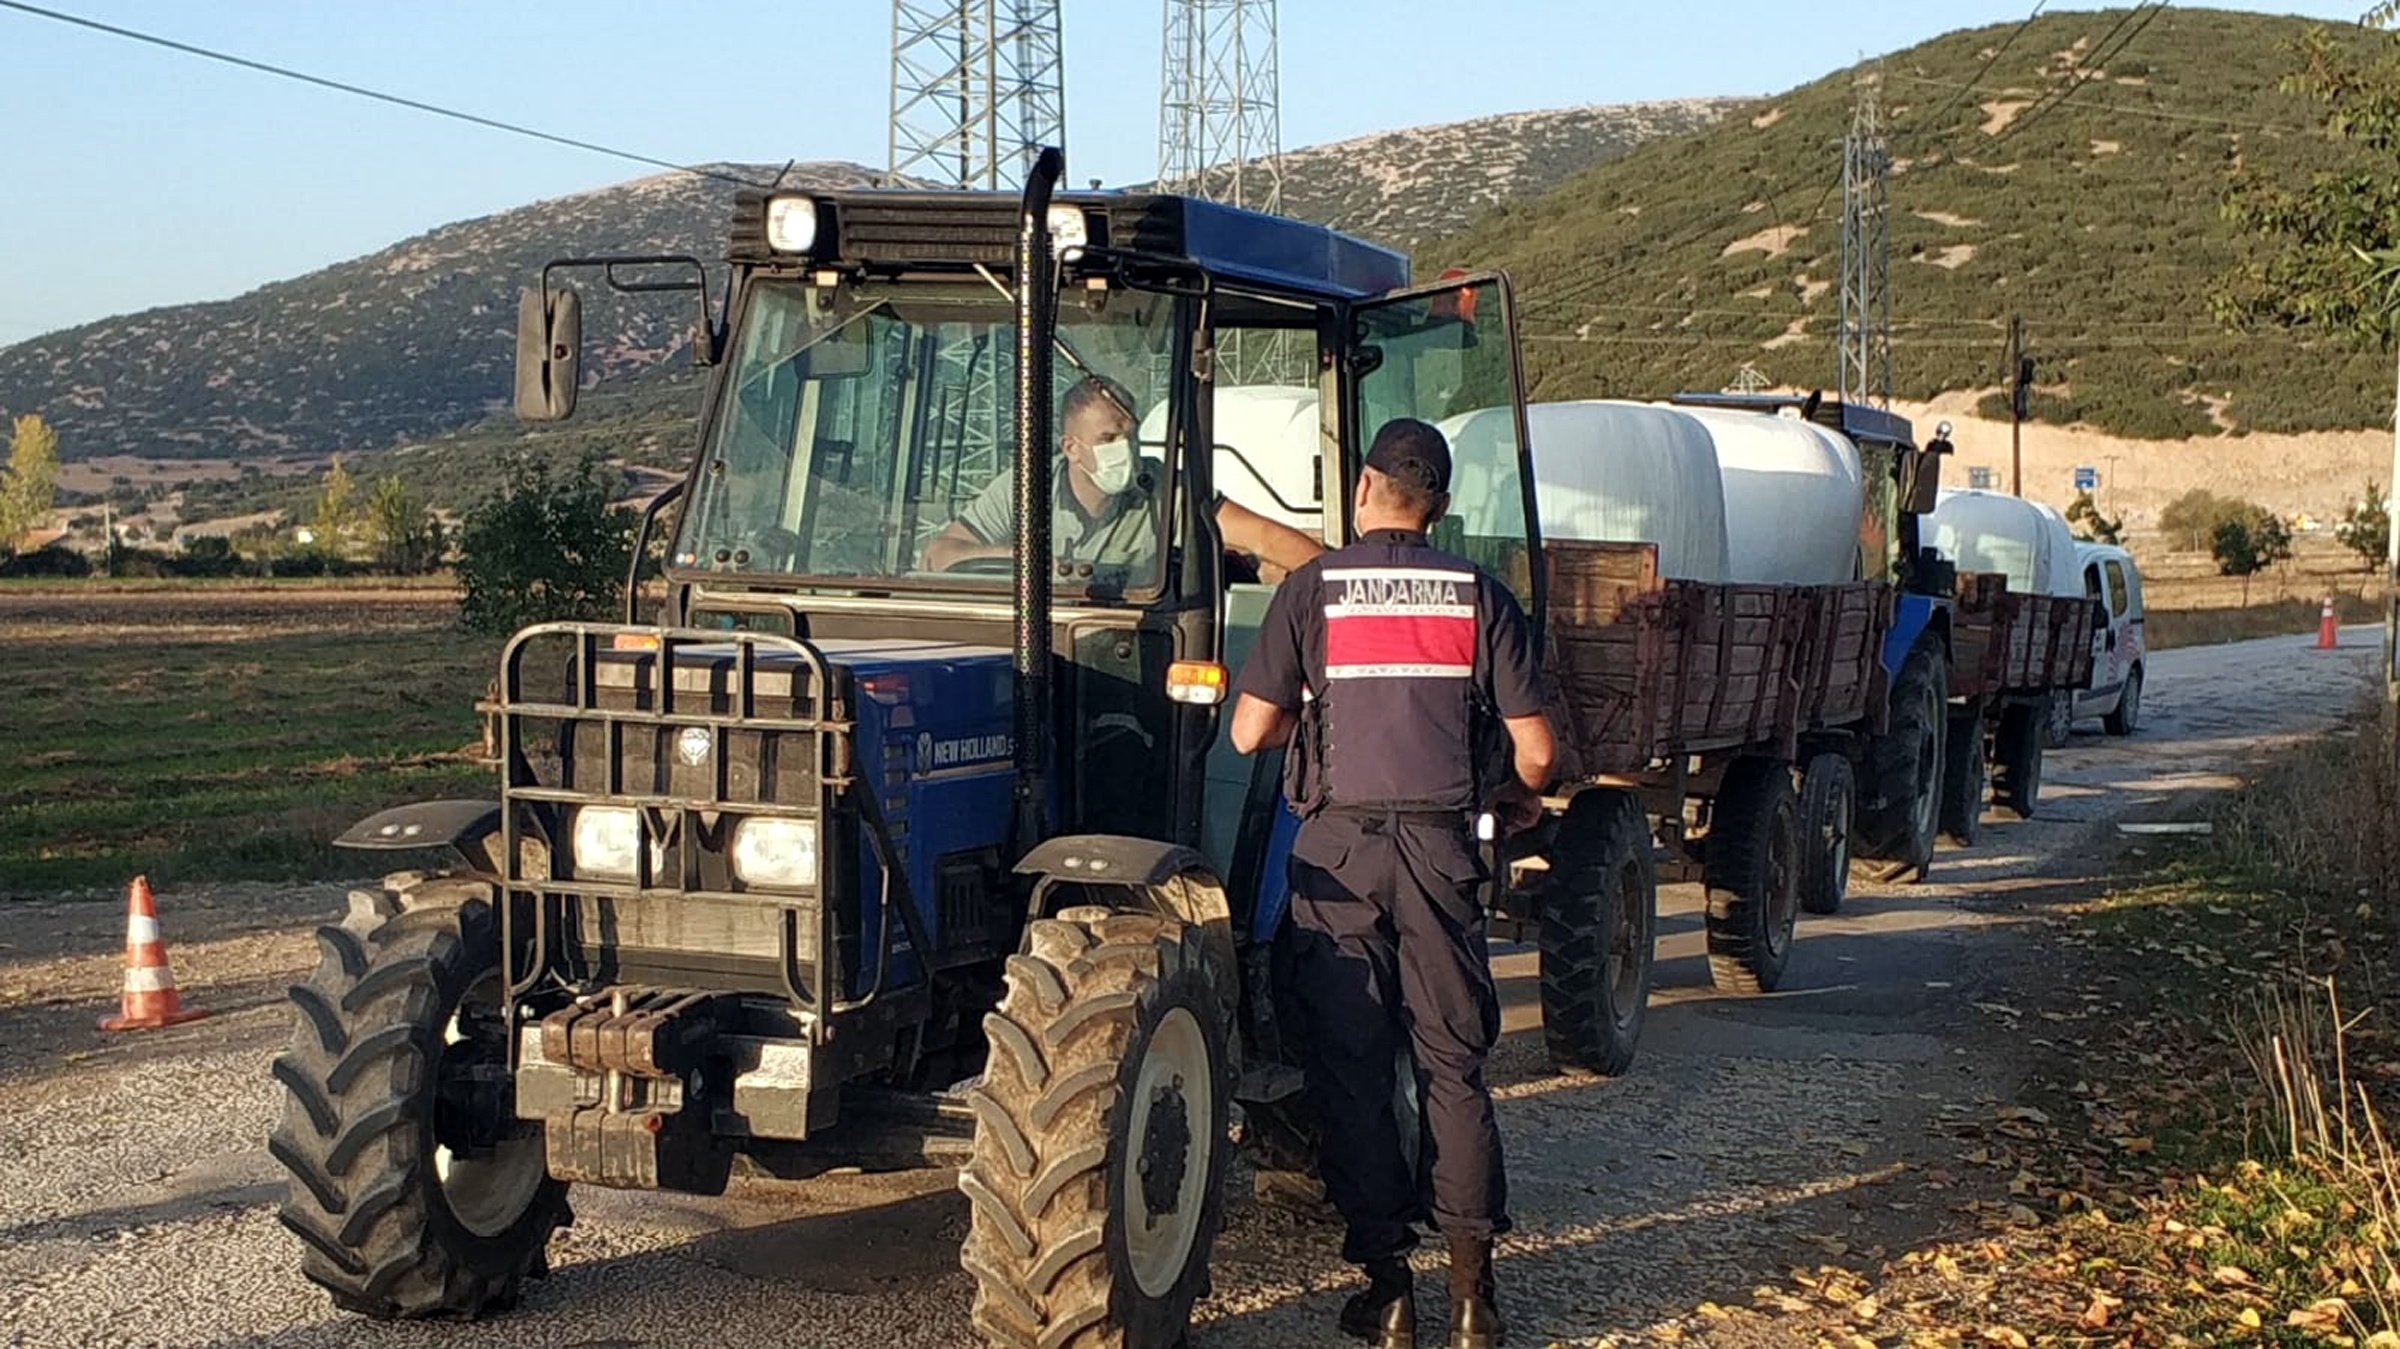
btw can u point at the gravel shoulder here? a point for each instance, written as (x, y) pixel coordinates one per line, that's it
(1753, 1135)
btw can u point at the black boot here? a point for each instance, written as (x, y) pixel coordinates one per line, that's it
(1385, 1311)
(1474, 1308)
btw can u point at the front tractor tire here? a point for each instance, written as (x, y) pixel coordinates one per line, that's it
(1599, 925)
(1096, 1185)
(415, 1191)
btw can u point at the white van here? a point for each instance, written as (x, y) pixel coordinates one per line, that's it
(2119, 651)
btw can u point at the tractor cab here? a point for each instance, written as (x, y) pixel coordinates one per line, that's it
(908, 824)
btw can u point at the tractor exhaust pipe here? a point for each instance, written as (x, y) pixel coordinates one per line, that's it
(1037, 312)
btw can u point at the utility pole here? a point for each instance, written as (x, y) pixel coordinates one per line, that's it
(978, 88)
(1220, 138)
(2020, 396)
(1866, 302)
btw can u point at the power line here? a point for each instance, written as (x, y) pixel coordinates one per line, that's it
(2127, 109)
(360, 91)
(2102, 54)
(1988, 63)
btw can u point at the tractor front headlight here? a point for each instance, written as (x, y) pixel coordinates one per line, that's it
(606, 841)
(779, 853)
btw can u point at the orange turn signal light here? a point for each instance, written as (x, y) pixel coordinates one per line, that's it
(1200, 682)
(634, 641)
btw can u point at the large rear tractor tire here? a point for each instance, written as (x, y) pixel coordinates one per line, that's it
(2023, 740)
(1096, 1186)
(1599, 927)
(1828, 803)
(415, 1190)
(1966, 779)
(1754, 859)
(1901, 810)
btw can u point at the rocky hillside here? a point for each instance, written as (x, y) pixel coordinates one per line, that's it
(408, 342)
(1404, 187)
(2077, 184)
(415, 341)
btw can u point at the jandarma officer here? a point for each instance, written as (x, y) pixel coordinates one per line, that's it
(1384, 664)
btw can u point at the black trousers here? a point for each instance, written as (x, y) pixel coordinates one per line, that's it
(1386, 949)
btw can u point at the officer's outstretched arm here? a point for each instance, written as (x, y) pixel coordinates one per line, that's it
(1259, 724)
(1270, 541)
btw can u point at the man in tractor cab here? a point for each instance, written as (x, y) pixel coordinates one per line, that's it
(1384, 664)
(1107, 502)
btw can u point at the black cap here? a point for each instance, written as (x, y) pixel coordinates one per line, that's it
(1412, 451)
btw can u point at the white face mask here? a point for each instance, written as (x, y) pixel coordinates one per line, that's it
(1112, 465)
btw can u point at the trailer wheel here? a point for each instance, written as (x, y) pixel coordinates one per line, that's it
(2058, 719)
(415, 1191)
(2017, 778)
(1599, 926)
(1966, 779)
(1096, 1185)
(1828, 797)
(1754, 860)
(1904, 765)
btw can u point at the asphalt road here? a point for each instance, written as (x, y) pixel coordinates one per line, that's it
(136, 1202)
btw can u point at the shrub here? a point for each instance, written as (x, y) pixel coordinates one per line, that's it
(2367, 529)
(51, 560)
(2192, 519)
(547, 546)
(2096, 527)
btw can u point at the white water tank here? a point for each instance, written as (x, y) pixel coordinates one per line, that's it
(1603, 472)
(1266, 450)
(2028, 543)
(1793, 494)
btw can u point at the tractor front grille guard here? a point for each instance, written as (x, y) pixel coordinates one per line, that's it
(694, 732)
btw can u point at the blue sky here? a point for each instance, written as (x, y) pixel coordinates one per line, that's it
(136, 177)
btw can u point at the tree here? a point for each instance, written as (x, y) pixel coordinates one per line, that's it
(2250, 542)
(2367, 529)
(408, 540)
(2096, 527)
(548, 546)
(337, 506)
(29, 487)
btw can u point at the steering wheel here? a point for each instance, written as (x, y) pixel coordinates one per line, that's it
(983, 566)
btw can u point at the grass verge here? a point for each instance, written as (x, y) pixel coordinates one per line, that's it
(2204, 1153)
(2166, 628)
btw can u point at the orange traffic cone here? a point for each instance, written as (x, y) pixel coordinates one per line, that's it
(2326, 627)
(150, 1000)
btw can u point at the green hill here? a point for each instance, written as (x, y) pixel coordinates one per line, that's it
(2098, 216)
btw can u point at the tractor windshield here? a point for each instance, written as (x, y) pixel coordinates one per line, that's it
(866, 435)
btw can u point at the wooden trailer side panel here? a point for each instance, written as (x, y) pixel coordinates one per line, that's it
(1645, 667)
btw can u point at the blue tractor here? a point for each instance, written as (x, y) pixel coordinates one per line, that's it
(849, 854)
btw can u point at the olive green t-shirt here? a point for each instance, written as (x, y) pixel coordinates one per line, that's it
(1120, 542)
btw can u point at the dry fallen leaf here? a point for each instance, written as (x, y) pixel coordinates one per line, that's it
(2007, 1335)
(1946, 1267)
(2250, 1319)
(2138, 1146)
(1714, 1312)
(1866, 1308)
(2324, 1316)
(2232, 1276)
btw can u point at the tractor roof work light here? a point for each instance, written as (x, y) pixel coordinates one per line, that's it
(1070, 232)
(791, 224)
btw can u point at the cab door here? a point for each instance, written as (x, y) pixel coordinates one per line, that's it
(1447, 354)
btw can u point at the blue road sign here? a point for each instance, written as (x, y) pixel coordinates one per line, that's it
(2087, 478)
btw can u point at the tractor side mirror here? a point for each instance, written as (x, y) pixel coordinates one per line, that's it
(549, 353)
(1920, 481)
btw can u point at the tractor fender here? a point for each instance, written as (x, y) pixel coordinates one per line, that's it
(427, 824)
(1146, 876)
